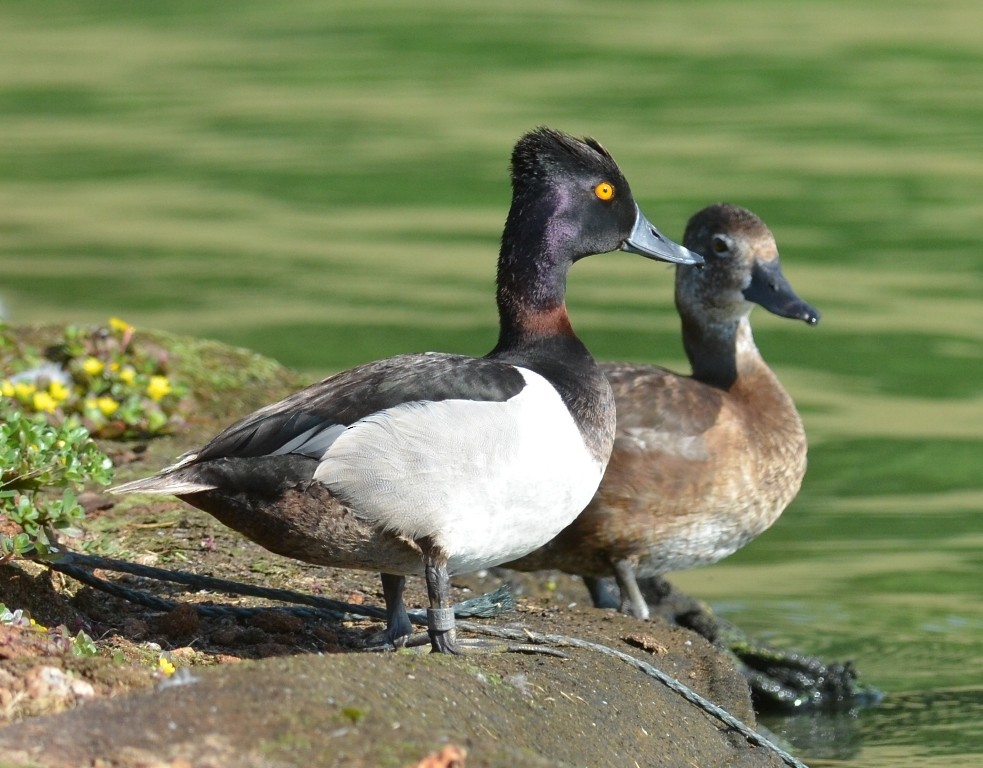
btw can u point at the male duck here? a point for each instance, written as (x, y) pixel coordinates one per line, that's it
(434, 463)
(703, 463)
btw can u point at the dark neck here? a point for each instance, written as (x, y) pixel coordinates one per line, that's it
(535, 330)
(532, 278)
(719, 352)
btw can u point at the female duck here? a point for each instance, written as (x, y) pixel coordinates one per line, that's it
(433, 463)
(703, 463)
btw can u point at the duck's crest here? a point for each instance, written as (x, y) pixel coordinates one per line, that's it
(546, 150)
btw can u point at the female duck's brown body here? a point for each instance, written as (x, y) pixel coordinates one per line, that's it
(703, 463)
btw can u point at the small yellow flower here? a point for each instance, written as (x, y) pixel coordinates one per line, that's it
(107, 405)
(165, 666)
(58, 391)
(127, 375)
(118, 325)
(6, 388)
(38, 627)
(93, 366)
(42, 401)
(24, 389)
(158, 387)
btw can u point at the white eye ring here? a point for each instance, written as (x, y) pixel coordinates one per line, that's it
(720, 244)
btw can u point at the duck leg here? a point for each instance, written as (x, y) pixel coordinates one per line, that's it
(440, 614)
(398, 627)
(602, 592)
(441, 625)
(632, 601)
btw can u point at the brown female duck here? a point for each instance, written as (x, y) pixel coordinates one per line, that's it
(702, 463)
(437, 464)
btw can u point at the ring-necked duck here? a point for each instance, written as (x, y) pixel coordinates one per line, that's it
(437, 463)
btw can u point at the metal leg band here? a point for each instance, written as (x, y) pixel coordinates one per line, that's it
(440, 619)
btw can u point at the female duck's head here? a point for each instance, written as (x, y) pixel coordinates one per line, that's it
(742, 268)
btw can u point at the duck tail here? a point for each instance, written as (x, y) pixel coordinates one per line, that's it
(176, 480)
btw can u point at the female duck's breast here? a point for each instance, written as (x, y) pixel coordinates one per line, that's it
(486, 481)
(754, 462)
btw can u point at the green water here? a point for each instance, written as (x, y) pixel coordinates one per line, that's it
(326, 182)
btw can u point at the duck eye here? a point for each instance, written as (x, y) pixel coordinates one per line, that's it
(720, 245)
(604, 191)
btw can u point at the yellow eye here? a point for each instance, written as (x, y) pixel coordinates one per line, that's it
(604, 191)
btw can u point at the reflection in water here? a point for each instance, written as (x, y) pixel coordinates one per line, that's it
(949, 721)
(832, 735)
(917, 728)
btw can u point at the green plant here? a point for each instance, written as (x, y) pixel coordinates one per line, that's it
(93, 382)
(36, 457)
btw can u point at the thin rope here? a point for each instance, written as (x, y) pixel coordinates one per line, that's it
(69, 563)
(487, 605)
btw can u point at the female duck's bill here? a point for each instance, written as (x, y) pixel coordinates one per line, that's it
(770, 289)
(438, 464)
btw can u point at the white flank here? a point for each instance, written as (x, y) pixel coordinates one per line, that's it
(488, 481)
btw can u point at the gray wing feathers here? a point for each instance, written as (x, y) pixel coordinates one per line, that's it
(323, 410)
(314, 442)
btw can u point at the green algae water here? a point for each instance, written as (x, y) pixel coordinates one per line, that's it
(326, 183)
